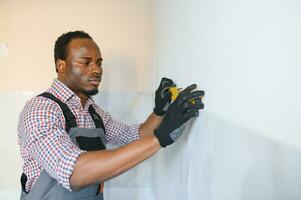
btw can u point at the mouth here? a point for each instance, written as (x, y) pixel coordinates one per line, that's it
(95, 81)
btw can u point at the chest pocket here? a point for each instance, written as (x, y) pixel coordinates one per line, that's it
(90, 144)
(89, 139)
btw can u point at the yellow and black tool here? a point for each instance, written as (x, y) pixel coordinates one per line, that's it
(175, 92)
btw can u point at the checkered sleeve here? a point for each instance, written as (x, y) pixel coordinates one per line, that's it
(46, 140)
(118, 133)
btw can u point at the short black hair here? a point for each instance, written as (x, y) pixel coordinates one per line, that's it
(62, 42)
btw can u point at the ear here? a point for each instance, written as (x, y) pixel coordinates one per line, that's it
(60, 66)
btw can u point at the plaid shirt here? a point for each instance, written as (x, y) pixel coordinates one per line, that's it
(44, 143)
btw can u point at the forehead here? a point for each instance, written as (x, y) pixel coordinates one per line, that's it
(83, 47)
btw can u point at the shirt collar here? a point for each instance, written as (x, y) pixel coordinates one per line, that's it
(62, 92)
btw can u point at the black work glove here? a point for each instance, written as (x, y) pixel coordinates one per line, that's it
(163, 96)
(179, 112)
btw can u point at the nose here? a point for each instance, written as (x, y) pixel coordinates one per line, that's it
(96, 69)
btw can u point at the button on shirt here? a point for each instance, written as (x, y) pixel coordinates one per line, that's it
(44, 143)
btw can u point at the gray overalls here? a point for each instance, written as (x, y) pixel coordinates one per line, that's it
(89, 139)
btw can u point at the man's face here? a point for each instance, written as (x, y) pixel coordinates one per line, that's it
(83, 69)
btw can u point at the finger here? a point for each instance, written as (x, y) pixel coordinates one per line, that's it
(184, 92)
(192, 95)
(197, 105)
(166, 79)
(166, 82)
(188, 89)
(165, 91)
(167, 95)
(198, 100)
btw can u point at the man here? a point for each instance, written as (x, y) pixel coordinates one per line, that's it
(62, 133)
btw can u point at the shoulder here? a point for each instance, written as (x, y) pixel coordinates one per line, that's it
(40, 114)
(41, 103)
(39, 108)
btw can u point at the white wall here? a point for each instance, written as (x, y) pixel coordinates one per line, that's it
(245, 55)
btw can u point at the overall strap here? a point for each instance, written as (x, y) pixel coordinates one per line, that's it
(96, 118)
(69, 117)
(70, 122)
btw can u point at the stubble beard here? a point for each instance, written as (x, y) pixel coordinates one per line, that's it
(91, 92)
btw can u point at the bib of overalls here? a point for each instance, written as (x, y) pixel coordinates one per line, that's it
(89, 139)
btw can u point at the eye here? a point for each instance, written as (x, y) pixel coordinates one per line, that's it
(85, 63)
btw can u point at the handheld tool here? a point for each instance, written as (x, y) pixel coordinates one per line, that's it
(175, 92)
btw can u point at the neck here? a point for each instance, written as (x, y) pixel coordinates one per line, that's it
(83, 97)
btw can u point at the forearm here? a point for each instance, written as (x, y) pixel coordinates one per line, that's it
(92, 167)
(151, 123)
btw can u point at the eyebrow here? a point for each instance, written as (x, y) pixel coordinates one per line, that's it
(90, 58)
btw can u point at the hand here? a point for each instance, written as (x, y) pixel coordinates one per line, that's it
(163, 96)
(179, 112)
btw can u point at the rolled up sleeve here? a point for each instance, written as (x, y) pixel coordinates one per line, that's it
(118, 133)
(49, 144)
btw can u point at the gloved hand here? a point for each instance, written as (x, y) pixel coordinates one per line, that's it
(179, 112)
(163, 96)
